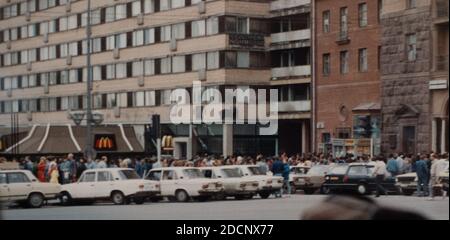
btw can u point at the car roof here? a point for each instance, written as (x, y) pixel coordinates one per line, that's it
(222, 167)
(172, 168)
(107, 169)
(13, 171)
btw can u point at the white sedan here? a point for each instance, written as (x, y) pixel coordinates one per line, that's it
(119, 185)
(182, 183)
(23, 187)
(267, 184)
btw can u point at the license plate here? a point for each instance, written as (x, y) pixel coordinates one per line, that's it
(334, 178)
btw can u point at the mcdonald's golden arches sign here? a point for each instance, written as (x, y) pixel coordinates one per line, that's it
(105, 142)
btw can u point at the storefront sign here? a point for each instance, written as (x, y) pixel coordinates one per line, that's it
(105, 142)
(167, 143)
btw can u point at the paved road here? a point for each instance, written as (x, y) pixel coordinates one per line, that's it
(257, 209)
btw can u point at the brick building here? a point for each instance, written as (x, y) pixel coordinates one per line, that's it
(347, 81)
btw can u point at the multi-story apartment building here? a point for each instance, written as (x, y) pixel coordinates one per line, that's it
(415, 76)
(347, 80)
(141, 51)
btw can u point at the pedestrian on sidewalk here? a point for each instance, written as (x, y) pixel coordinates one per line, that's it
(379, 173)
(422, 176)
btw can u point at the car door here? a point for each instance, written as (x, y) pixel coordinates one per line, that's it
(356, 174)
(156, 176)
(19, 186)
(169, 182)
(104, 184)
(4, 188)
(85, 188)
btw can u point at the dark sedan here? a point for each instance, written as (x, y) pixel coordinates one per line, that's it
(355, 178)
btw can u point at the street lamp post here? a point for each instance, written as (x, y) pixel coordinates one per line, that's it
(89, 145)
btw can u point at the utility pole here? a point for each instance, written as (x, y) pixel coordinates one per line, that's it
(89, 144)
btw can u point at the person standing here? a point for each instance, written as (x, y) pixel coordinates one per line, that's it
(139, 168)
(379, 173)
(400, 163)
(90, 164)
(422, 176)
(65, 169)
(54, 174)
(277, 170)
(392, 166)
(102, 163)
(41, 169)
(286, 171)
(81, 167)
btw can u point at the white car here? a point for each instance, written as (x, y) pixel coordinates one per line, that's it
(23, 187)
(233, 182)
(119, 185)
(182, 183)
(296, 175)
(267, 184)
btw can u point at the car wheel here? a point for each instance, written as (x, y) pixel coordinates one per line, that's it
(249, 196)
(35, 200)
(118, 198)
(362, 189)
(264, 195)
(325, 190)
(220, 196)
(203, 198)
(408, 192)
(139, 200)
(181, 196)
(293, 188)
(65, 199)
(309, 191)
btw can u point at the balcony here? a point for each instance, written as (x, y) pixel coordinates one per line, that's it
(294, 71)
(298, 35)
(295, 106)
(286, 4)
(343, 38)
(440, 11)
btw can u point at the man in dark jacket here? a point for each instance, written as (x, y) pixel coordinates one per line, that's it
(81, 167)
(422, 176)
(277, 170)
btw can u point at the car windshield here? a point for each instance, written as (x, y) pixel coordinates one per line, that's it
(339, 170)
(193, 173)
(231, 173)
(255, 171)
(128, 174)
(319, 170)
(299, 170)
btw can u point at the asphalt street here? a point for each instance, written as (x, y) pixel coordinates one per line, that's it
(287, 208)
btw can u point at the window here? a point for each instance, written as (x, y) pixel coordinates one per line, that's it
(242, 25)
(177, 3)
(150, 98)
(362, 55)
(138, 69)
(17, 178)
(344, 22)
(139, 99)
(62, 24)
(24, 32)
(344, 62)
(362, 14)
(198, 61)
(122, 99)
(243, 59)
(121, 70)
(165, 97)
(178, 31)
(164, 5)
(138, 38)
(149, 6)
(212, 25)
(136, 8)
(178, 64)
(326, 21)
(165, 33)
(166, 65)
(358, 171)
(326, 64)
(110, 71)
(73, 76)
(88, 177)
(111, 100)
(149, 36)
(169, 175)
(110, 14)
(110, 42)
(213, 60)
(149, 67)
(380, 10)
(96, 73)
(121, 40)
(198, 28)
(121, 11)
(411, 4)
(44, 53)
(411, 45)
(3, 178)
(104, 176)
(72, 22)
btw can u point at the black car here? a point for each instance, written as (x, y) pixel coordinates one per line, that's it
(355, 178)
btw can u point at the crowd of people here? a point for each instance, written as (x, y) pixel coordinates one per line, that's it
(68, 169)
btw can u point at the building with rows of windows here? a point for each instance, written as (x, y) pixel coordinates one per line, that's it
(141, 51)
